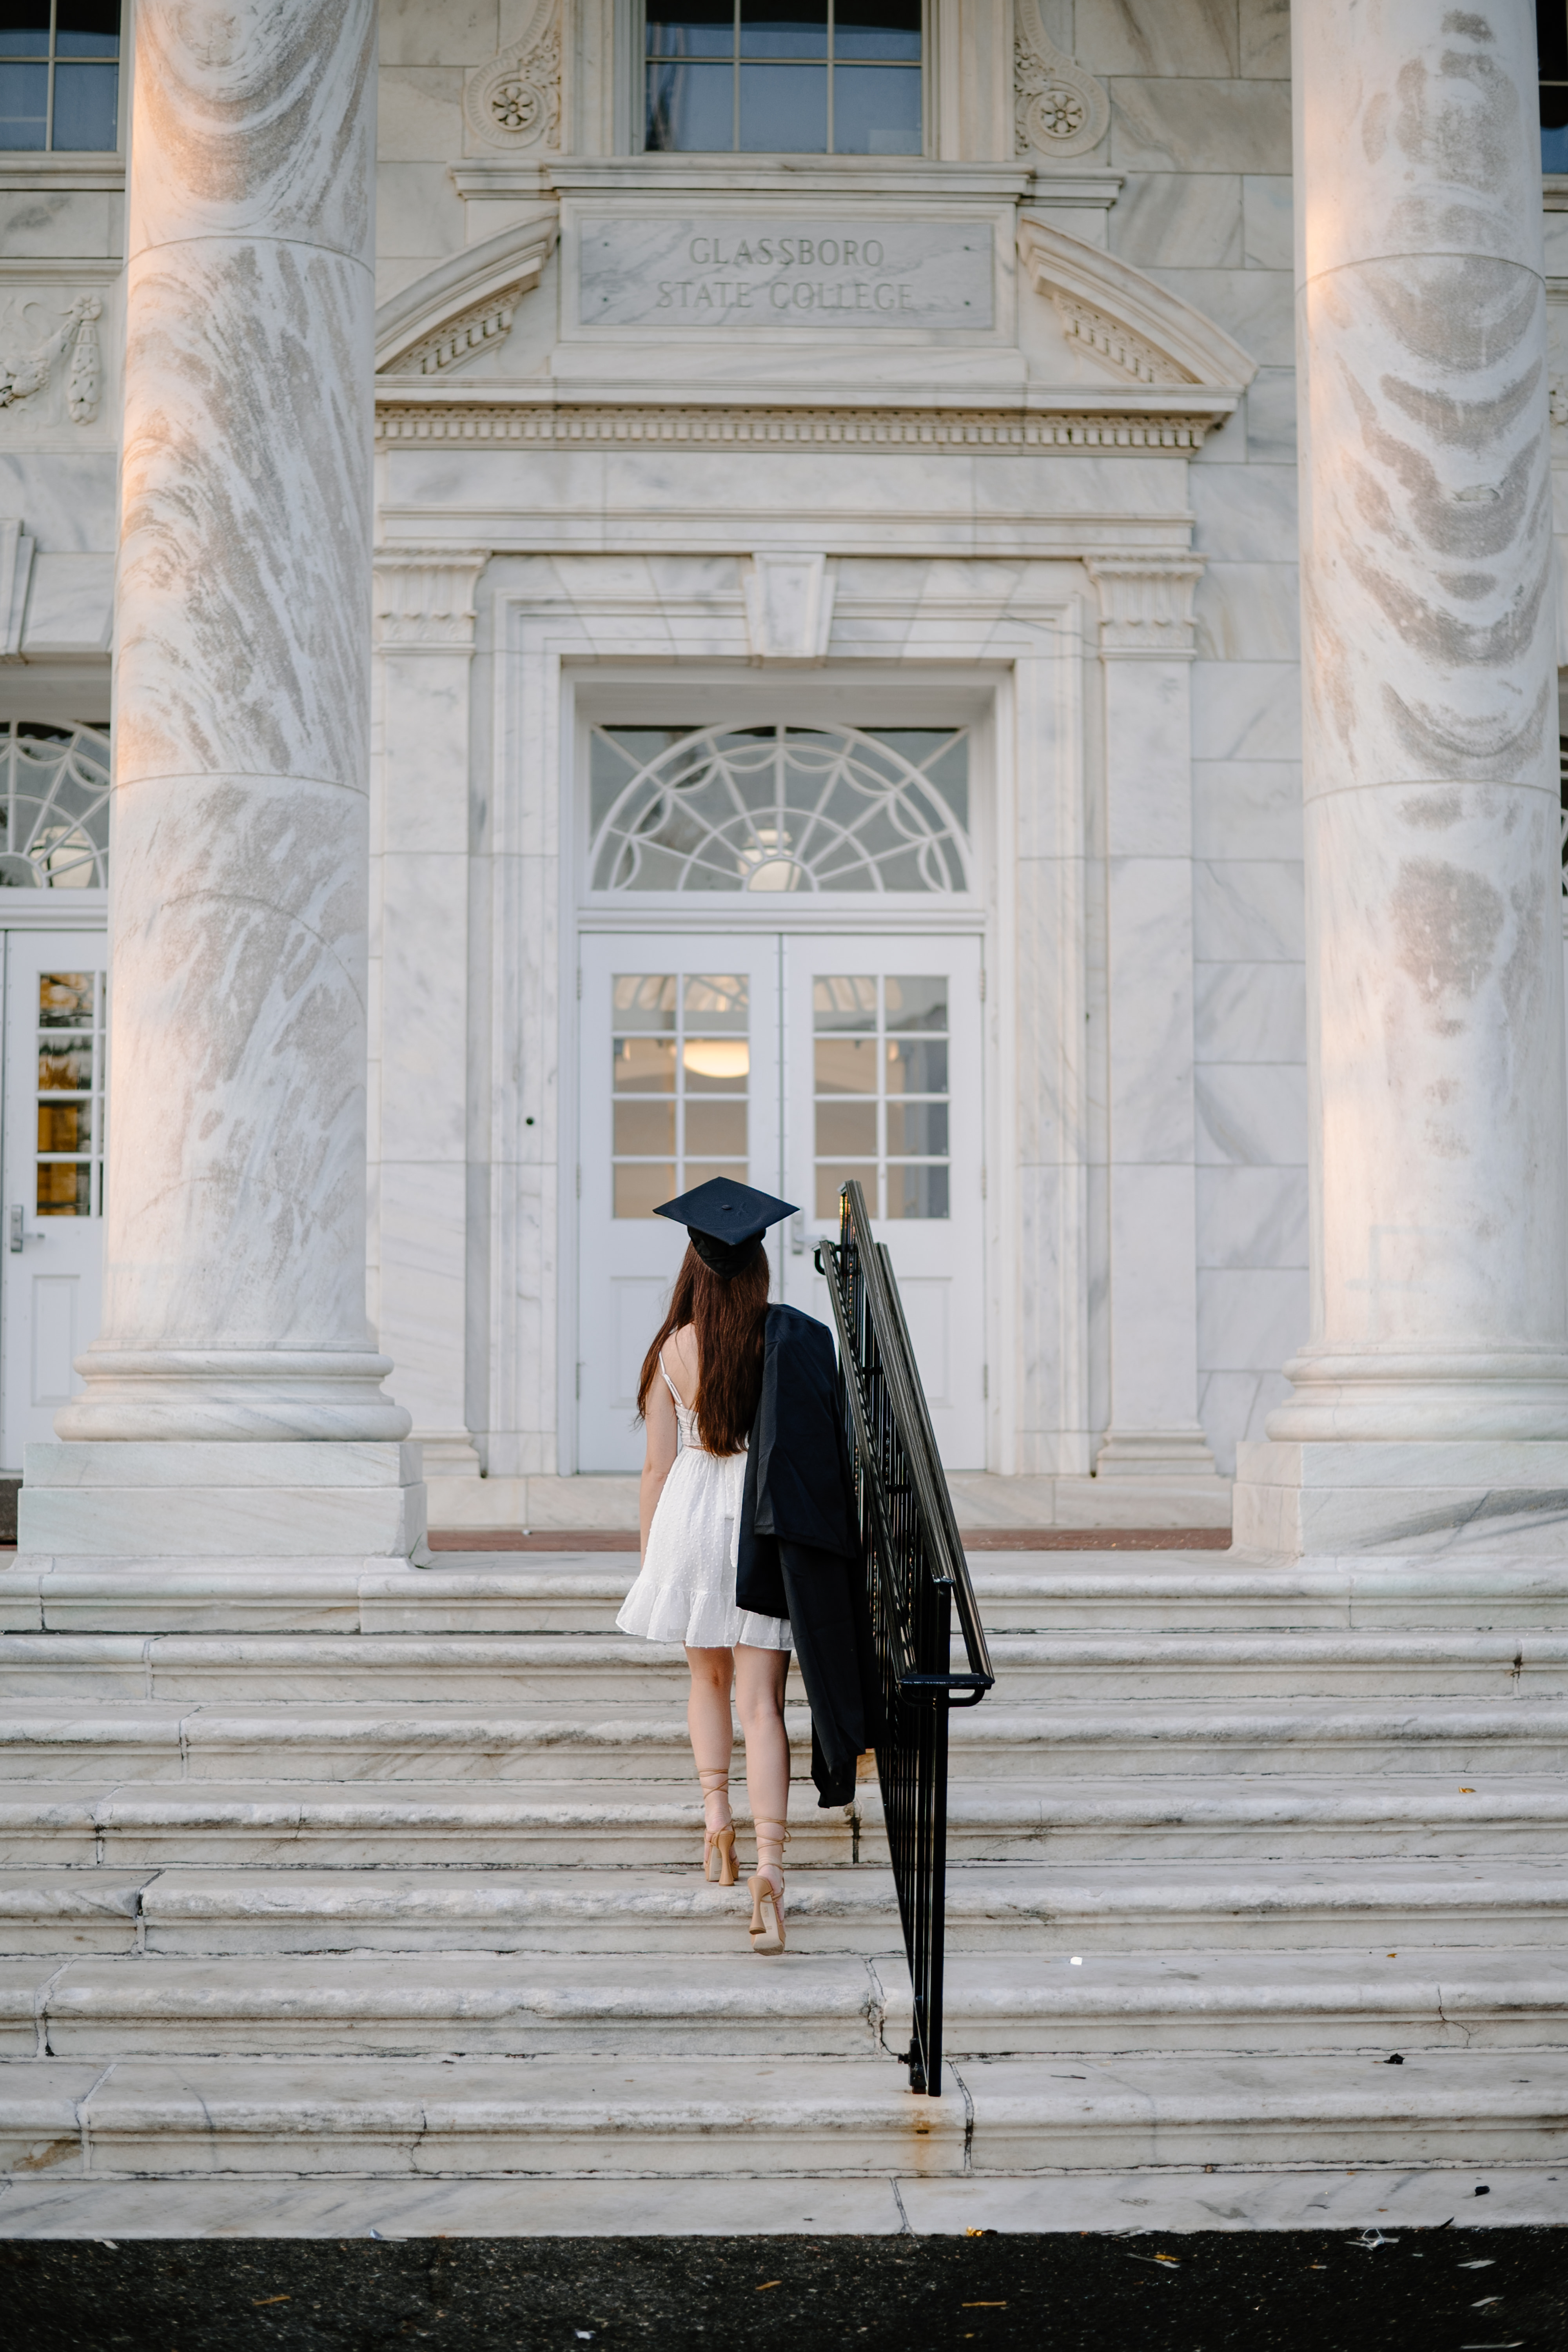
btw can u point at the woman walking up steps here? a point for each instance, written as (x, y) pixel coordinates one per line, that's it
(700, 1382)
(750, 1534)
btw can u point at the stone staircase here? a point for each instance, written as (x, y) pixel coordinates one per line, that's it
(337, 1897)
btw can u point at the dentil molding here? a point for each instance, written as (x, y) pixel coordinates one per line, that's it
(1059, 110)
(464, 302)
(425, 595)
(514, 103)
(1146, 603)
(520, 422)
(1143, 329)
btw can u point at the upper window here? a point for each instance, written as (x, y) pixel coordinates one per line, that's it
(1552, 43)
(780, 808)
(784, 77)
(59, 75)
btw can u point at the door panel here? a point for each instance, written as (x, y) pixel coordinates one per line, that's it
(884, 1053)
(794, 1061)
(678, 1081)
(56, 1007)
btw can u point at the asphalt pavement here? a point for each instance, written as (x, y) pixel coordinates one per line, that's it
(1416, 2291)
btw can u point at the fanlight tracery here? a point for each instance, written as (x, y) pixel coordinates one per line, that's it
(780, 809)
(54, 807)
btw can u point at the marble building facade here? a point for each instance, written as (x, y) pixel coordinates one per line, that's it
(662, 449)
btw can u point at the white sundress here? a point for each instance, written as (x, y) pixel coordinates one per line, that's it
(685, 1590)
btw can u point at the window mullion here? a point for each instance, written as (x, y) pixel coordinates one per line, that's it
(736, 88)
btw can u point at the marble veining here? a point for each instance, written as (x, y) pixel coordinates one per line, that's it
(1435, 964)
(236, 1217)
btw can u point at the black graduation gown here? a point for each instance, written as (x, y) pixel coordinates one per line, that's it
(800, 1553)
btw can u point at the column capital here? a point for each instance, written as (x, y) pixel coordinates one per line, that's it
(1146, 603)
(425, 595)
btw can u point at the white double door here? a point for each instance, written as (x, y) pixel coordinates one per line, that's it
(51, 1288)
(790, 1061)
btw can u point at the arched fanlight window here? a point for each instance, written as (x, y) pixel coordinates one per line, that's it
(54, 807)
(780, 809)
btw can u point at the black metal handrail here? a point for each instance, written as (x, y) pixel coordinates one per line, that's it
(916, 1575)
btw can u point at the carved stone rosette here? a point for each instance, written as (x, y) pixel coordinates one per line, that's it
(1059, 110)
(514, 103)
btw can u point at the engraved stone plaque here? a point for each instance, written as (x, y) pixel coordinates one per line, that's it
(721, 272)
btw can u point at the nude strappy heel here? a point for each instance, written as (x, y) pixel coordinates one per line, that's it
(765, 1896)
(718, 1845)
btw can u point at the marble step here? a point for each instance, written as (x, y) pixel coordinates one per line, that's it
(299, 1741)
(1081, 1908)
(368, 1823)
(629, 2117)
(540, 1824)
(490, 1669)
(531, 1594)
(728, 2002)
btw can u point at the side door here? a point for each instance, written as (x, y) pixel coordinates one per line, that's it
(883, 1047)
(51, 1291)
(678, 1081)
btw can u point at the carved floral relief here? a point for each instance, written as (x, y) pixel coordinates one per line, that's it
(513, 104)
(34, 355)
(1059, 110)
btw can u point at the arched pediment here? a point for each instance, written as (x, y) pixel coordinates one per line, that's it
(464, 303)
(1138, 328)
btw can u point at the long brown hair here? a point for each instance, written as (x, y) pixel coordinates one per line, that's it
(729, 1320)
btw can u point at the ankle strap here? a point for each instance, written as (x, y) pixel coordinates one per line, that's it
(714, 1778)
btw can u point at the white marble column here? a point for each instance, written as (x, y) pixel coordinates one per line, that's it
(1431, 1398)
(1146, 651)
(419, 1138)
(234, 1314)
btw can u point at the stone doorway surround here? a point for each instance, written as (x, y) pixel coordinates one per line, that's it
(548, 628)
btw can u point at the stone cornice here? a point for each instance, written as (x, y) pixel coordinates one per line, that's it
(514, 420)
(1146, 603)
(30, 173)
(1139, 326)
(425, 595)
(463, 302)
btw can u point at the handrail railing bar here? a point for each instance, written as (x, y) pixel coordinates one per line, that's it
(883, 1547)
(935, 1494)
(978, 1682)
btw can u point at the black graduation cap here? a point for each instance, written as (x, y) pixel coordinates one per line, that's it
(725, 1221)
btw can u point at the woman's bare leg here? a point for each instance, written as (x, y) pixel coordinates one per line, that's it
(709, 1721)
(759, 1697)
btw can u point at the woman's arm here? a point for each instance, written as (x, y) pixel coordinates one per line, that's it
(659, 1458)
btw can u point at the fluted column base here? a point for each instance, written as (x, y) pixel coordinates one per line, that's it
(233, 1394)
(1449, 1396)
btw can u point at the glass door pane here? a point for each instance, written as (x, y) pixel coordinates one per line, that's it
(52, 1285)
(678, 1083)
(884, 1049)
